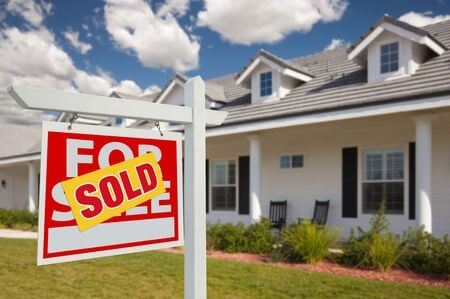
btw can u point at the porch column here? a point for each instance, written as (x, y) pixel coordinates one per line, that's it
(423, 171)
(255, 177)
(32, 186)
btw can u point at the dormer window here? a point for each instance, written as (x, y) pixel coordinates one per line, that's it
(265, 84)
(389, 58)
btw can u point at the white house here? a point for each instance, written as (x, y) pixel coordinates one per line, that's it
(356, 126)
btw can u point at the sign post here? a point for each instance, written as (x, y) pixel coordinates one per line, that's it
(195, 205)
(193, 115)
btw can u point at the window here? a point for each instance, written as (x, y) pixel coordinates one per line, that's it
(223, 185)
(295, 161)
(265, 84)
(383, 180)
(389, 58)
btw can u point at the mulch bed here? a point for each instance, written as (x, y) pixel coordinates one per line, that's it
(396, 275)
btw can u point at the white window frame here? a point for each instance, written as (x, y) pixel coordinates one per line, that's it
(398, 59)
(236, 184)
(401, 59)
(361, 151)
(260, 86)
(290, 161)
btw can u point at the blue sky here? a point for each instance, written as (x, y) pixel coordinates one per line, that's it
(144, 42)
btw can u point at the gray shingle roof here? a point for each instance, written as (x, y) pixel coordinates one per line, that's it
(340, 83)
(19, 140)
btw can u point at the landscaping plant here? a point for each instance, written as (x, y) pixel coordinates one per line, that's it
(259, 237)
(426, 253)
(376, 248)
(18, 219)
(308, 242)
(255, 238)
(227, 237)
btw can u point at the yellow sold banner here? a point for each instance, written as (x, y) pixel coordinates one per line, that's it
(99, 195)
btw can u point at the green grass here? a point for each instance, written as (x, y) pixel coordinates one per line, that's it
(160, 275)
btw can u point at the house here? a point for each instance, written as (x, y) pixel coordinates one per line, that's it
(358, 126)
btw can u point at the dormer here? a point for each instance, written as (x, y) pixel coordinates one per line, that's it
(270, 78)
(393, 49)
(173, 93)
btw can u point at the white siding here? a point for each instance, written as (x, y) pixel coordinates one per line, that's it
(320, 178)
(15, 195)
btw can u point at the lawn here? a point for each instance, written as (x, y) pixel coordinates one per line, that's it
(160, 275)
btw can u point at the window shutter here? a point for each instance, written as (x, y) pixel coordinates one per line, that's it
(207, 186)
(350, 182)
(412, 180)
(244, 185)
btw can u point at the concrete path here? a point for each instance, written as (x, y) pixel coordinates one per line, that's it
(17, 234)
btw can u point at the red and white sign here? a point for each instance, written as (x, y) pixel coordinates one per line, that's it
(156, 223)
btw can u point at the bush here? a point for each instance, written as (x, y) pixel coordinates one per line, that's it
(426, 253)
(256, 238)
(383, 252)
(377, 248)
(18, 219)
(308, 242)
(259, 237)
(227, 237)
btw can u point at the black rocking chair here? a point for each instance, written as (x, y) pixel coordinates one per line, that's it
(277, 213)
(320, 212)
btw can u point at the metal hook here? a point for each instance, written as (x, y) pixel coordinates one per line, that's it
(158, 127)
(72, 119)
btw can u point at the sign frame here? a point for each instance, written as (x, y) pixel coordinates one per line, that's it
(104, 131)
(193, 115)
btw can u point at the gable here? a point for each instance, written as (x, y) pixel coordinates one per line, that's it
(358, 51)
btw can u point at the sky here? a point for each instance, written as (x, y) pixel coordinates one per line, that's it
(135, 46)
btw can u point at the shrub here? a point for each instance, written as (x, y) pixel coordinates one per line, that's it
(426, 253)
(256, 238)
(259, 237)
(278, 254)
(227, 237)
(383, 252)
(376, 248)
(18, 219)
(308, 242)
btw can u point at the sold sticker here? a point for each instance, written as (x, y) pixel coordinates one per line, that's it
(102, 194)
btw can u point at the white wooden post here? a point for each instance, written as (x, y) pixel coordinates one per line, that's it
(194, 199)
(32, 187)
(423, 171)
(255, 177)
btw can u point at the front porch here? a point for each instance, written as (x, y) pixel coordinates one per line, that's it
(19, 184)
(303, 163)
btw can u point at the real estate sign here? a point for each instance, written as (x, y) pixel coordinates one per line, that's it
(107, 191)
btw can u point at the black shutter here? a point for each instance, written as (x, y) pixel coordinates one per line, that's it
(350, 182)
(207, 186)
(412, 180)
(244, 185)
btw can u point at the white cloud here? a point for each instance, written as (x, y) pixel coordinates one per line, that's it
(336, 43)
(152, 89)
(74, 38)
(129, 87)
(423, 19)
(158, 42)
(34, 58)
(255, 21)
(32, 11)
(175, 7)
